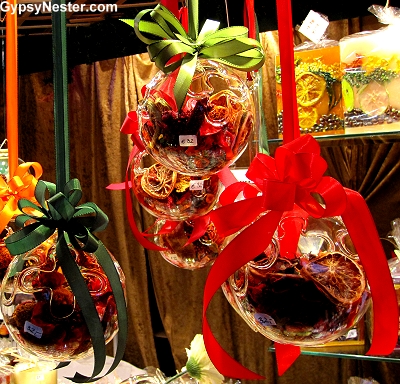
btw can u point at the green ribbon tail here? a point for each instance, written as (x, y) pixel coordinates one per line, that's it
(87, 306)
(184, 79)
(28, 238)
(106, 262)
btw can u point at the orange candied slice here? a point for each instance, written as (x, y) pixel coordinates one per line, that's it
(308, 116)
(309, 89)
(158, 181)
(339, 277)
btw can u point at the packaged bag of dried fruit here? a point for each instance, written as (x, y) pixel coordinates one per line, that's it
(371, 75)
(318, 90)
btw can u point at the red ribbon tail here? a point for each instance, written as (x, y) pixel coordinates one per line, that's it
(286, 355)
(366, 240)
(242, 249)
(118, 186)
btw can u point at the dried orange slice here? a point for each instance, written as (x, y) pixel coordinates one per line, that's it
(158, 181)
(309, 89)
(338, 276)
(374, 99)
(308, 116)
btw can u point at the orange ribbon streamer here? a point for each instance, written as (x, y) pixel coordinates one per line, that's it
(12, 87)
(21, 186)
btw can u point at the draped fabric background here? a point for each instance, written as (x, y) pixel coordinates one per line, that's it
(100, 95)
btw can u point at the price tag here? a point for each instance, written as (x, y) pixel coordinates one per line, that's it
(187, 140)
(196, 185)
(314, 26)
(352, 334)
(33, 329)
(264, 319)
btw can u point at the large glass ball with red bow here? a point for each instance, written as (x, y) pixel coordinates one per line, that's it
(182, 253)
(170, 195)
(307, 288)
(41, 311)
(209, 132)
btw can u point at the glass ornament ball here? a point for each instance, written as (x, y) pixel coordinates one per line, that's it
(211, 130)
(198, 254)
(169, 195)
(307, 298)
(40, 310)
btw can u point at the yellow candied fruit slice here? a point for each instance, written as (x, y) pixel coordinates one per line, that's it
(309, 89)
(308, 116)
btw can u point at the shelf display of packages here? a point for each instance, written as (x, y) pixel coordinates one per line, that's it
(371, 76)
(318, 88)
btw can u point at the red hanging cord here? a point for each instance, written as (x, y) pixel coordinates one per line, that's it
(172, 6)
(249, 18)
(291, 128)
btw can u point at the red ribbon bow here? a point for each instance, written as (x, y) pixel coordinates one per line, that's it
(295, 177)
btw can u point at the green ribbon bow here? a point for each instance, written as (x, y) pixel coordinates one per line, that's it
(74, 224)
(167, 39)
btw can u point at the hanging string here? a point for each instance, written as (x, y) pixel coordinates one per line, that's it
(12, 87)
(60, 97)
(227, 13)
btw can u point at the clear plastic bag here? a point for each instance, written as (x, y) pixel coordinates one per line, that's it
(371, 79)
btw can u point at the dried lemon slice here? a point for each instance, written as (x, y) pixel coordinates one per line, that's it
(158, 181)
(338, 276)
(309, 89)
(374, 99)
(308, 116)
